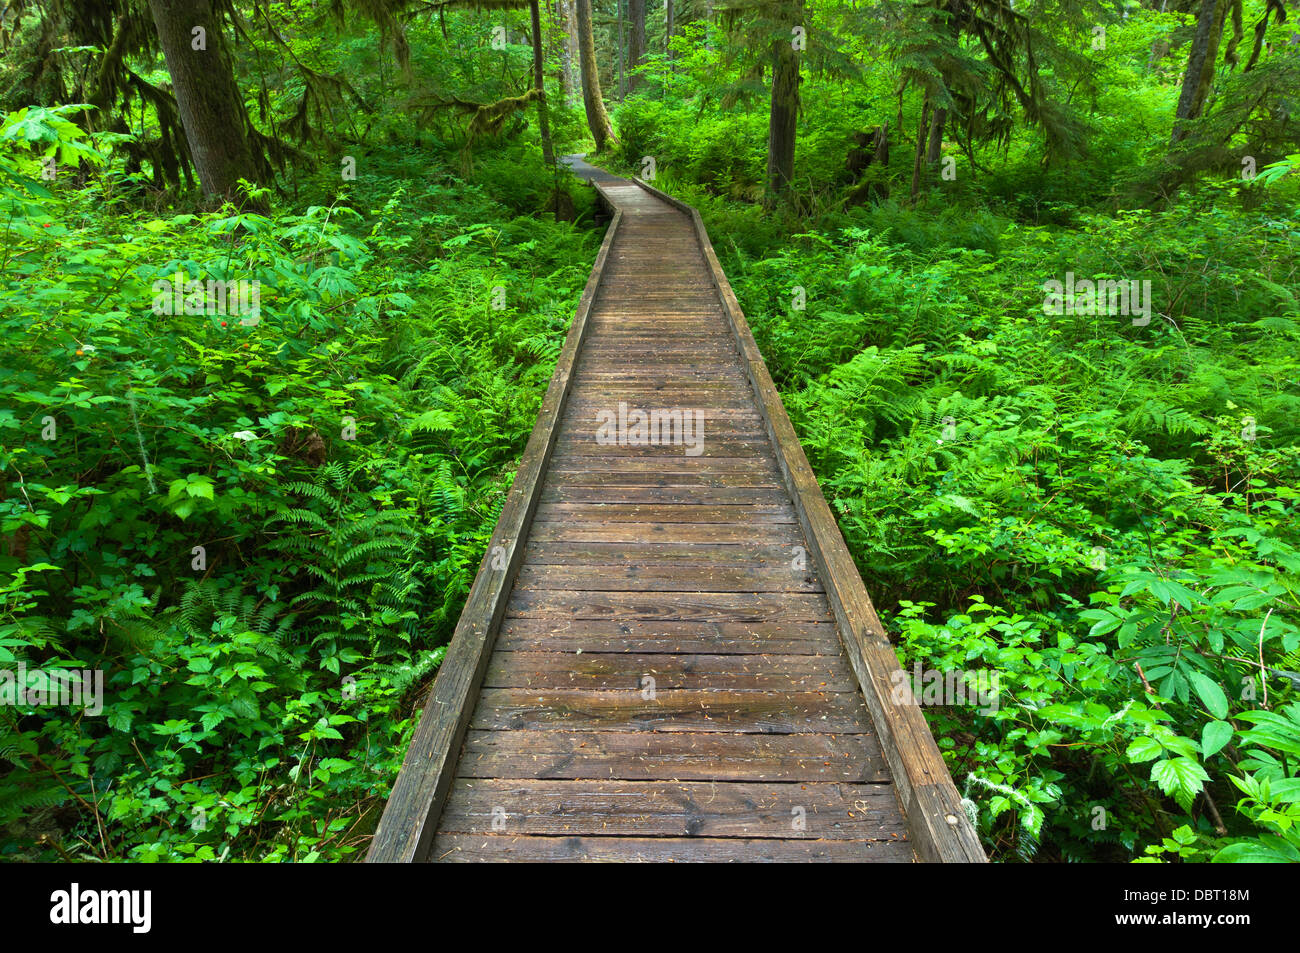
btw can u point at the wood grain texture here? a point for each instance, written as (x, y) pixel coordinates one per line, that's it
(481, 848)
(627, 670)
(812, 811)
(682, 756)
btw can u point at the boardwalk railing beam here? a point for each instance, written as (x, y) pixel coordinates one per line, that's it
(937, 824)
(410, 818)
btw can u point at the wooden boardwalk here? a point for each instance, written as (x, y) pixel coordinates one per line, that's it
(668, 654)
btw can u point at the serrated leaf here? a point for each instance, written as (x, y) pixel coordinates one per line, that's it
(1144, 749)
(1179, 776)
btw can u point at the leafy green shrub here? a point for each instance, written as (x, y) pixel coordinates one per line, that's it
(262, 533)
(1103, 515)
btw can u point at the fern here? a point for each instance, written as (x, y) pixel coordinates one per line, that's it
(361, 566)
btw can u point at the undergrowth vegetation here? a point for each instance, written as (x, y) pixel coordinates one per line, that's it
(1102, 511)
(261, 529)
(259, 523)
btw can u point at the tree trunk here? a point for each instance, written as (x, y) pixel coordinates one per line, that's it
(621, 87)
(539, 80)
(668, 29)
(922, 127)
(597, 117)
(207, 97)
(635, 42)
(568, 47)
(936, 136)
(1200, 65)
(784, 115)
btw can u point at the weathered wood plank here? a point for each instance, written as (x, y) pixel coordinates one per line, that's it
(695, 495)
(665, 554)
(672, 438)
(483, 848)
(684, 756)
(672, 637)
(747, 514)
(565, 485)
(673, 578)
(748, 464)
(685, 606)
(670, 578)
(741, 413)
(813, 811)
(615, 532)
(620, 671)
(708, 448)
(780, 713)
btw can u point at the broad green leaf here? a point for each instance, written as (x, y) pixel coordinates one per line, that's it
(1214, 736)
(1211, 694)
(1179, 776)
(1144, 749)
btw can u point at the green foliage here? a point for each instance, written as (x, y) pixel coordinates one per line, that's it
(1102, 515)
(261, 533)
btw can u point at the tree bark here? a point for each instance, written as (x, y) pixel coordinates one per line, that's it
(668, 29)
(597, 117)
(539, 80)
(1200, 65)
(635, 42)
(621, 88)
(936, 136)
(208, 99)
(568, 48)
(922, 128)
(784, 115)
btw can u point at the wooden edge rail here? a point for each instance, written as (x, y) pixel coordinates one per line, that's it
(410, 818)
(937, 824)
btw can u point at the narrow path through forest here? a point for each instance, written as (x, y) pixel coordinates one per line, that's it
(667, 679)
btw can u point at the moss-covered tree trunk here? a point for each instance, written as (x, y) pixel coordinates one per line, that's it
(1200, 65)
(621, 48)
(592, 100)
(208, 99)
(568, 48)
(922, 131)
(635, 41)
(539, 81)
(935, 148)
(784, 115)
(669, 26)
